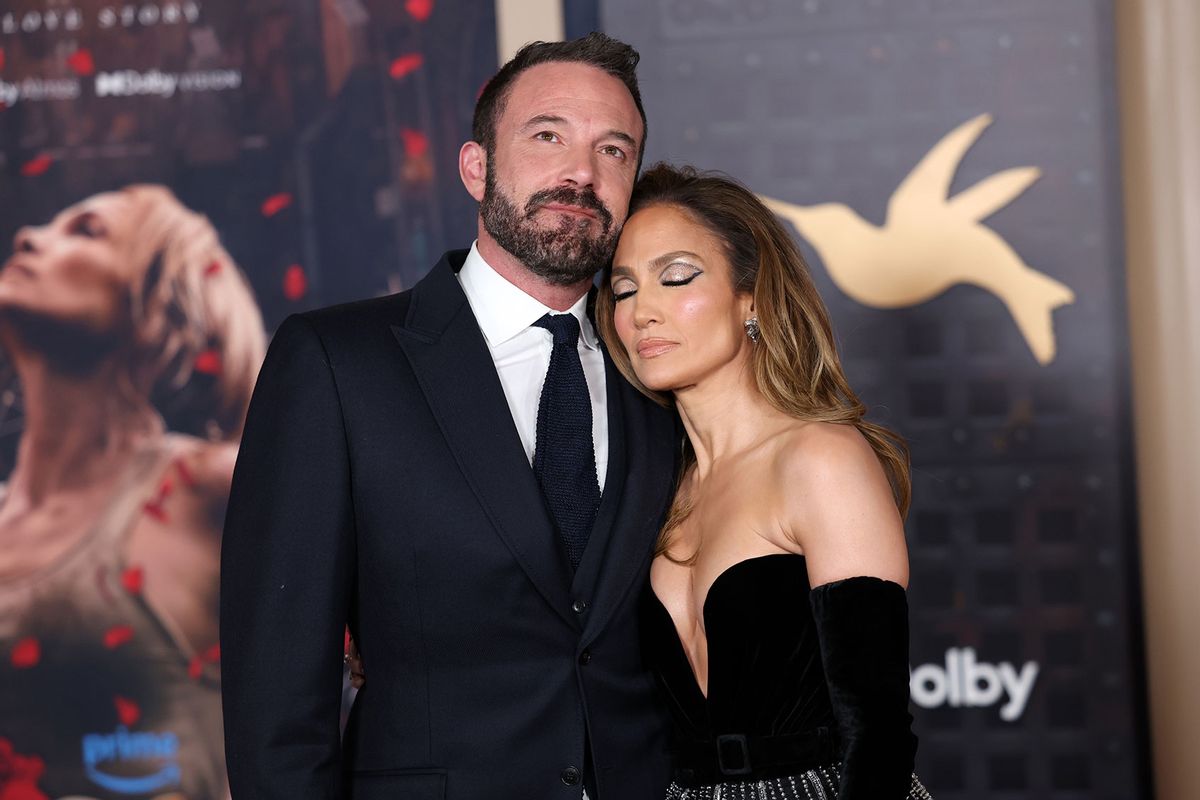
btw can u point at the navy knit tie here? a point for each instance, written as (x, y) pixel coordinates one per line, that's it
(564, 459)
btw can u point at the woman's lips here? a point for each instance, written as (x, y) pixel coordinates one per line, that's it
(651, 348)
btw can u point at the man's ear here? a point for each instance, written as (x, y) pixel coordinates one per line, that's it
(472, 168)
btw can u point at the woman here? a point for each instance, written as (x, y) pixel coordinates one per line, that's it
(776, 619)
(121, 311)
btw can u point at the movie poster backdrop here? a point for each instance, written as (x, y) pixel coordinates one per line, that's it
(176, 176)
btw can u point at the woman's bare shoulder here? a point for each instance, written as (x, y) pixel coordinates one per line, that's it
(823, 455)
(838, 504)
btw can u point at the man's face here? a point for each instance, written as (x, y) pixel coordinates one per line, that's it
(561, 170)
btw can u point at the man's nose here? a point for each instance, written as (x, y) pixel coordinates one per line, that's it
(580, 167)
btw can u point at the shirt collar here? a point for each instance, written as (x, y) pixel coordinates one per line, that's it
(503, 310)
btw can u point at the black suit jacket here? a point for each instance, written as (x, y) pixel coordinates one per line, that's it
(381, 483)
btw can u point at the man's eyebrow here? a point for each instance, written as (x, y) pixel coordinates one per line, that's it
(622, 136)
(554, 119)
(544, 119)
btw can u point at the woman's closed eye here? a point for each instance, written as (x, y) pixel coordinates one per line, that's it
(674, 275)
(679, 274)
(622, 288)
(88, 225)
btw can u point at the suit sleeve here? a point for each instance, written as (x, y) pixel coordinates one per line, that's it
(287, 561)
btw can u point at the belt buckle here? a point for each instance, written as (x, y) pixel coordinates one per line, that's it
(735, 745)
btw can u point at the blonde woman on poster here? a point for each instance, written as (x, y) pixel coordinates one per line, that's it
(122, 310)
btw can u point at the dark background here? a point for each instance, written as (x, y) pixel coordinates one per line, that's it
(1021, 534)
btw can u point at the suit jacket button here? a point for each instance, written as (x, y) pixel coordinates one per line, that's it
(585, 657)
(579, 606)
(570, 776)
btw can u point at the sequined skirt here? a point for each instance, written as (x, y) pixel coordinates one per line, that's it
(820, 783)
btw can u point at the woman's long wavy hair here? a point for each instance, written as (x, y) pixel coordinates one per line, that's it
(199, 337)
(795, 362)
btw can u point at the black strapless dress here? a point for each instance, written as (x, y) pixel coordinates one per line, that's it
(774, 726)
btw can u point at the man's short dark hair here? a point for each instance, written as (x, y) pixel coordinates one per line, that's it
(597, 50)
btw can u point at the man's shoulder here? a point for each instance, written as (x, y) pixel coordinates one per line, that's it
(349, 319)
(356, 312)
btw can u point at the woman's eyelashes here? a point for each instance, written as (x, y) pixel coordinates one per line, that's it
(88, 225)
(680, 275)
(622, 289)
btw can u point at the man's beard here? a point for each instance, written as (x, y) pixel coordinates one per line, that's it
(564, 255)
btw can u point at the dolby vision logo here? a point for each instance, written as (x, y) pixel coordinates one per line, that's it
(963, 681)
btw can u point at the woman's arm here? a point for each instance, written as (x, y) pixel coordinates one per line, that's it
(843, 517)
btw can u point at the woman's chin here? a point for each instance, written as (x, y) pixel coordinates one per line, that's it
(657, 381)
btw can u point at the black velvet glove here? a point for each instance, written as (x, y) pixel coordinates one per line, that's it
(862, 625)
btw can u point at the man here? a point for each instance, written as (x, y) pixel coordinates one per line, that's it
(459, 474)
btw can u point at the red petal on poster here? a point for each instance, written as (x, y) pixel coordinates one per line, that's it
(212, 654)
(155, 509)
(195, 668)
(185, 473)
(405, 64)
(27, 653)
(1, 58)
(133, 579)
(416, 144)
(213, 268)
(295, 283)
(37, 166)
(208, 362)
(276, 203)
(419, 9)
(82, 62)
(19, 774)
(127, 711)
(117, 635)
(23, 790)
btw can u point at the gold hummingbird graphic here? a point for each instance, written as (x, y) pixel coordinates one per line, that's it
(931, 241)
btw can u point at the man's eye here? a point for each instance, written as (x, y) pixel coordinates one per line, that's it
(613, 150)
(546, 136)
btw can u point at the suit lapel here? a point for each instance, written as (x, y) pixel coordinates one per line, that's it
(455, 371)
(641, 472)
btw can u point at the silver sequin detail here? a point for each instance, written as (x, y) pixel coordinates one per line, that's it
(815, 784)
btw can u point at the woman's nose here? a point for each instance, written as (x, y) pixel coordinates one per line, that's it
(24, 241)
(645, 310)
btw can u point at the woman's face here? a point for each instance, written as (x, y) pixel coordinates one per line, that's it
(75, 269)
(676, 311)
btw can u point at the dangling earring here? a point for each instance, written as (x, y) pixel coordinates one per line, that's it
(752, 330)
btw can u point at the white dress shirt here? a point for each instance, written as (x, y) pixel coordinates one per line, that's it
(521, 351)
